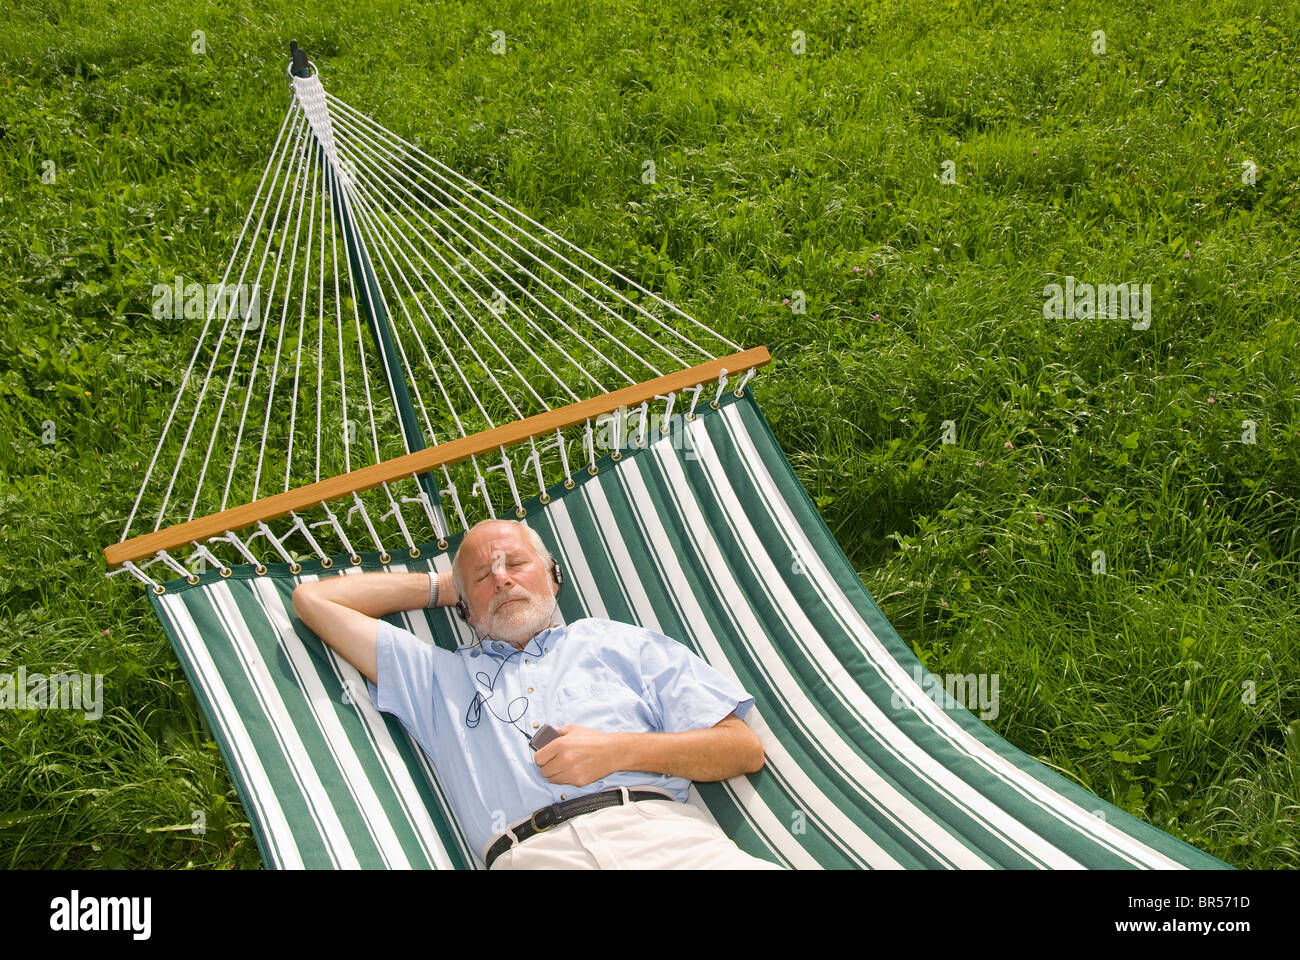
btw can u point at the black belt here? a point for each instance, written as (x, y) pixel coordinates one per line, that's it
(555, 814)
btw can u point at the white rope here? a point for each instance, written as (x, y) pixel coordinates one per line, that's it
(360, 216)
(310, 163)
(645, 414)
(695, 398)
(549, 289)
(473, 319)
(383, 246)
(480, 486)
(396, 208)
(302, 330)
(360, 212)
(722, 385)
(371, 221)
(320, 328)
(129, 567)
(455, 502)
(591, 448)
(564, 457)
(365, 518)
(305, 530)
(665, 427)
(275, 542)
(262, 326)
(166, 557)
(396, 513)
(430, 229)
(344, 200)
(436, 519)
(221, 337)
(333, 521)
(275, 152)
(238, 544)
(506, 467)
(207, 555)
(535, 458)
(434, 511)
(359, 118)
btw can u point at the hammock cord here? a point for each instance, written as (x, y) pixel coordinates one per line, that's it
(276, 157)
(350, 112)
(599, 303)
(437, 256)
(430, 229)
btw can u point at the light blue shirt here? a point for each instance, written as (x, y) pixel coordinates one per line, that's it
(473, 711)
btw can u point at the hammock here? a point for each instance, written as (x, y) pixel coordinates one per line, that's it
(665, 498)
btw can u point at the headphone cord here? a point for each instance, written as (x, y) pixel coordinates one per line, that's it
(474, 712)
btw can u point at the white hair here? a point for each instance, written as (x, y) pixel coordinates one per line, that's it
(534, 538)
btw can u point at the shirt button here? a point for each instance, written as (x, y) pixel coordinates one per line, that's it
(528, 661)
(530, 689)
(564, 796)
(534, 726)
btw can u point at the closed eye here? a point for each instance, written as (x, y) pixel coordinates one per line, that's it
(516, 562)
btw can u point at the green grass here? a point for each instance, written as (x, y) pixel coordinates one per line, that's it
(775, 172)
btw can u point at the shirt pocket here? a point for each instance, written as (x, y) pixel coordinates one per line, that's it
(601, 705)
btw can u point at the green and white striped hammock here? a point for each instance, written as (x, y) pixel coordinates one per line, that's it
(698, 529)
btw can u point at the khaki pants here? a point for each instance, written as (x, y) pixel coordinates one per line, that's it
(643, 835)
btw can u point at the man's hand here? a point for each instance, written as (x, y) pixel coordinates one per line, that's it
(344, 611)
(579, 756)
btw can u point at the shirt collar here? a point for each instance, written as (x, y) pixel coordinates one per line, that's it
(539, 646)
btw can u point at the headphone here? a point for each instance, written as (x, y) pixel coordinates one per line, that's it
(462, 607)
(475, 710)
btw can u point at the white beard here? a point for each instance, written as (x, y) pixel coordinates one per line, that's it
(519, 622)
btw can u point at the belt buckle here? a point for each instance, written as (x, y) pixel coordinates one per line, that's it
(555, 818)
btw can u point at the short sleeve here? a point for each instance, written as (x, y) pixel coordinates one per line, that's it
(685, 692)
(408, 683)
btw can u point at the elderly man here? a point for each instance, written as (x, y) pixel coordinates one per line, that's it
(560, 746)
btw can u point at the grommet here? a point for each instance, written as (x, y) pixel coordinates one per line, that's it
(226, 571)
(442, 545)
(159, 589)
(713, 404)
(521, 512)
(690, 416)
(593, 469)
(570, 483)
(616, 456)
(739, 391)
(192, 579)
(384, 557)
(327, 562)
(414, 552)
(295, 568)
(640, 442)
(260, 568)
(544, 498)
(355, 560)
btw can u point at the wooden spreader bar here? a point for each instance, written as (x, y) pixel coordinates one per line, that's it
(444, 454)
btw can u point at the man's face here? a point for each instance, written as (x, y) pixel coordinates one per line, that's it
(508, 588)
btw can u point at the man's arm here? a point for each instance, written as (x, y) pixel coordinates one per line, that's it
(582, 756)
(344, 610)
